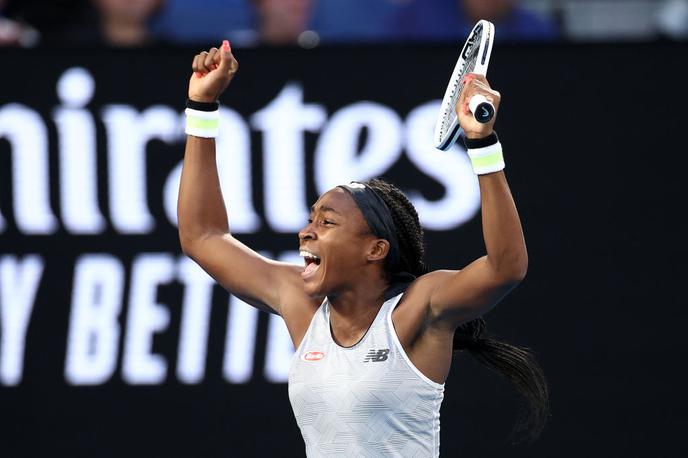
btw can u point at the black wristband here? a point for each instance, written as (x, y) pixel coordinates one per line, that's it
(473, 143)
(202, 106)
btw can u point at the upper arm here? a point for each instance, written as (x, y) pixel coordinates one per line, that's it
(463, 295)
(260, 281)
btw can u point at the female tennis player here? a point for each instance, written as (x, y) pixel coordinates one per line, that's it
(374, 331)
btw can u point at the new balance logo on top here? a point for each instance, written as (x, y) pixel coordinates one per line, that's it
(376, 355)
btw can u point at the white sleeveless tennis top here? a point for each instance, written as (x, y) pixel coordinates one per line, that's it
(367, 400)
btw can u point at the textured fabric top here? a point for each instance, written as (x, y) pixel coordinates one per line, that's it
(367, 400)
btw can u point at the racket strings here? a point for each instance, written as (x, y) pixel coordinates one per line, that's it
(450, 113)
(474, 58)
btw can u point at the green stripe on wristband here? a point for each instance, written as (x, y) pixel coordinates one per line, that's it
(200, 123)
(489, 163)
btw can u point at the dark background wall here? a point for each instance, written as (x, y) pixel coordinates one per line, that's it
(595, 159)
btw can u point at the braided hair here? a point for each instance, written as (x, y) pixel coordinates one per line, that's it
(516, 364)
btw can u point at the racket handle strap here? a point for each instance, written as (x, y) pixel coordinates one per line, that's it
(483, 111)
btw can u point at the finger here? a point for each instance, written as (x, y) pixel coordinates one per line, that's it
(201, 62)
(210, 59)
(196, 67)
(466, 93)
(480, 86)
(227, 61)
(217, 57)
(470, 76)
(477, 87)
(479, 77)
(462, 96)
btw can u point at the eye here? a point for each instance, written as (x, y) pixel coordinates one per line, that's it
(327, 221)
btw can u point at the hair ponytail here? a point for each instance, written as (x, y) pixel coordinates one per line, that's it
(518, 366)
(514, 363)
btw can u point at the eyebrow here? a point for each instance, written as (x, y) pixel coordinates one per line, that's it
(324, 209)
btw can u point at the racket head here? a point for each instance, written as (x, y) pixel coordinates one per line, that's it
(474, 58)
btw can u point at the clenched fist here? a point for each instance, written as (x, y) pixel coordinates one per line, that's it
(476, 84)
(213, 70)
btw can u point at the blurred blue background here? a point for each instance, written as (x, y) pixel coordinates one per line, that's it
(309, 23)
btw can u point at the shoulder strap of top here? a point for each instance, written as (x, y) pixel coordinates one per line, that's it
(320, 314)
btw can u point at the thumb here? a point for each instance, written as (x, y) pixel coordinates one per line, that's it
(227, 61)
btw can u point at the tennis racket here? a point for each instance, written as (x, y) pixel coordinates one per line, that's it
(474, 58)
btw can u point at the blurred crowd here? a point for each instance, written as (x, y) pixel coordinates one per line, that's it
(308, 23)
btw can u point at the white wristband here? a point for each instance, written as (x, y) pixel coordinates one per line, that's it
(488, 159)
(205, 124)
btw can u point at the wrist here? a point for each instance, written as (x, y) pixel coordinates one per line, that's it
(478, 135)
(485, 154)
(481, 141)
(202, 118)
(203, 99)
(202, 105)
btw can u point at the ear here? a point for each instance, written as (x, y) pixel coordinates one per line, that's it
(378, 250)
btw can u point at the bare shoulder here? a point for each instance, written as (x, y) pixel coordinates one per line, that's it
(421, 290)
(297, 308)
(413, 315)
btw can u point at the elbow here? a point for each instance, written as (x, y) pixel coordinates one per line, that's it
(187, 244)
(519, 273)
(189, 241)
(193, 232)
(189, 237)
(513, 271)
(185, 234)
(193, 244)
(519, 270)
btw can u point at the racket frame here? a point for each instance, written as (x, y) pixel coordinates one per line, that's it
(486, 30)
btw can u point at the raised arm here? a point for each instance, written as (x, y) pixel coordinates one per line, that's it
(203, 226)
(460, 296)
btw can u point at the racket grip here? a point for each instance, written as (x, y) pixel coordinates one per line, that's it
(482, 109)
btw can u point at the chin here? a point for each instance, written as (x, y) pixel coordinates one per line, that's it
(313, 291)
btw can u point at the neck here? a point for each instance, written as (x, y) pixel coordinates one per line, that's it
(353, 311)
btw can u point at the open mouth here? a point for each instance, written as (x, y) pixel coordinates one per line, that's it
(311, 261)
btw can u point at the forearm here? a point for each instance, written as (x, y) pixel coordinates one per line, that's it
(200, 208)
(502, 231)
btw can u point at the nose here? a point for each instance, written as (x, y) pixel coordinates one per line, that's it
(307, 233)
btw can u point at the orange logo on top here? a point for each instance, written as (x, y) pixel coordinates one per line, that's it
(313, 356)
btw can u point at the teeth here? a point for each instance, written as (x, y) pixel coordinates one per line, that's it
(308, 254)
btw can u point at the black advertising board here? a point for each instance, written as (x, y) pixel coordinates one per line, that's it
(113, 343)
